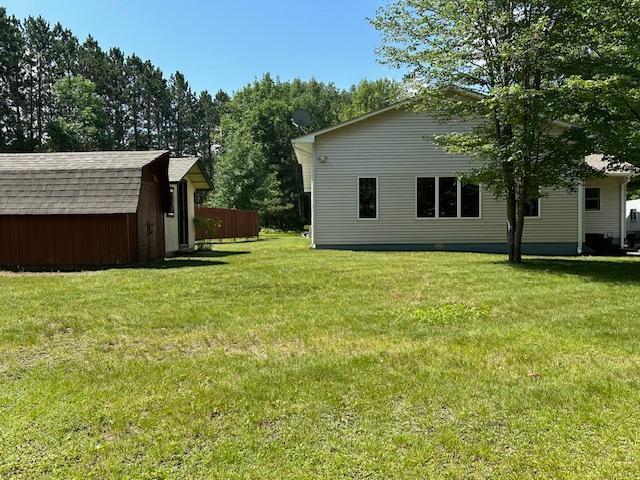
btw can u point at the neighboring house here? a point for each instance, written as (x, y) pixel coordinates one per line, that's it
(633, 220)
(376, 183)
(82, 209)
(186, 178)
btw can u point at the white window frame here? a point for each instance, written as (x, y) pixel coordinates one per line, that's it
(533, 217)
(377, 198)
(633, 215)
(437, 194)
(599, 200)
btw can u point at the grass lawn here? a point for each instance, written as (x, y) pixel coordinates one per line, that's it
(269, 360)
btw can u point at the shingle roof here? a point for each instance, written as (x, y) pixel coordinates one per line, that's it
(190, 167)
(621, 169)
(179, 167)
(72, 183)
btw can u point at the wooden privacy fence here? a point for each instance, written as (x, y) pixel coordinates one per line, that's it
(231, 223)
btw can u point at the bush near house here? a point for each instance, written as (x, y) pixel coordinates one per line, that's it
(270, 360)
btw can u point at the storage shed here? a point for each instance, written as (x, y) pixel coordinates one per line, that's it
(82, 209)
(186, 178)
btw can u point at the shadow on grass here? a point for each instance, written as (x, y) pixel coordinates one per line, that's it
(206, 258)
(227, 241)
(597, 270)
(199, 258)
(211, 254)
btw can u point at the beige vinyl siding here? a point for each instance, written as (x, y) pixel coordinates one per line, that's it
(171, 225)
(609, 218)
(171, 239)
(392, 147)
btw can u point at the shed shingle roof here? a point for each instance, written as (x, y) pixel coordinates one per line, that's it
(72, 183)
(182, 167)
(179, 167)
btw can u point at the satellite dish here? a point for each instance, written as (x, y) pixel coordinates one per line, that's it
(301, 119)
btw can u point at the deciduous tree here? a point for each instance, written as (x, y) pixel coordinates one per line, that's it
(510, 52)
(80, 123)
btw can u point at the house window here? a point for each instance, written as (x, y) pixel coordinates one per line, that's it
(592, 199)
(448, 197)
(426, 197)
(172, 208)
(368, 198)
(633, 215)
(470, 200)
(532, 208)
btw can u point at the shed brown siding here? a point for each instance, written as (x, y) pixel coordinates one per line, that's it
(154, 192)
(90, 239)
(70, 240)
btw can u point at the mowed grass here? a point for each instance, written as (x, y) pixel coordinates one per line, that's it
(269, 360)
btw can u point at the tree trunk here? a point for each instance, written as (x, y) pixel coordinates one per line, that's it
(521, 202)
(511, 225)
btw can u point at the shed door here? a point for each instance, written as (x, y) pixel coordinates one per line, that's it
(183, 215)
(148, 228)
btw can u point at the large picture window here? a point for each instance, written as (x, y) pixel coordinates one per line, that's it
(448, 197)
(470, 199)
(367, 198)
(426, 197)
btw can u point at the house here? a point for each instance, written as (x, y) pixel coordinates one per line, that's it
(82, 209)
(377, 183)
(186, 179)
(633, 221)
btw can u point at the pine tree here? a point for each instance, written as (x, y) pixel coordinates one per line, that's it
(12, 100)
(183, 115)
(116, 96)
(65, 52)
(135, 102)
(39, 48)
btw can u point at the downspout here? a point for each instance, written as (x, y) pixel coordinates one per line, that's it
(313, 195)
(580, 216)
(623, 211)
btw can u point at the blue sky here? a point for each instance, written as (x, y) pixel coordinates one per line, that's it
(227, 43)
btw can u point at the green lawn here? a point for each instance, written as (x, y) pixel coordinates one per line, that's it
(269, 360)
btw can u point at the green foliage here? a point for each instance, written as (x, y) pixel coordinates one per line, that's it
(603, 82)
(368, 96)
(143, 110)
(257, 168)
(633, 189)
(243, 178)
(513, 53)
(208, 226)
(257, 158)
(268, 360)
(12, 98)
(81, 120)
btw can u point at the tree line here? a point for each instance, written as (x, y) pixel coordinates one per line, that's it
(60, 94)
(257, 168)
